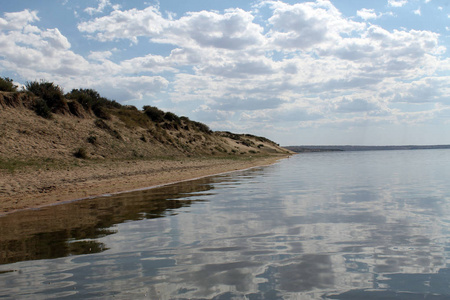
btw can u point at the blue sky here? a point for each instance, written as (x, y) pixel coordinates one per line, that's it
(298, 72)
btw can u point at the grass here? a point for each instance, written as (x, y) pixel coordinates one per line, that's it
(13, 165)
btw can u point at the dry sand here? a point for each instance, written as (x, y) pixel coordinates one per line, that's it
(31, 188)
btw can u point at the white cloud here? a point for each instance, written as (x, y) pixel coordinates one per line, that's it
(126, 24)
(46, 54)
(347, 105)
(306, 25)
(425, 90)
(367, 14)
(55, 39)
(397, 3)
(102, 5)
(100, 55)
(307, 64)
(232, 30)
(417, 12)
(18, 20)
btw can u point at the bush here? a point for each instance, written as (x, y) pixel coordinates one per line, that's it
(6, 85)
(52, 94)
(86, 97)
(201, 127)
(100, 111)
(131, 117)
(41, 108)
(91, 99)
(154, 113)
(171, 117)
(81, 153)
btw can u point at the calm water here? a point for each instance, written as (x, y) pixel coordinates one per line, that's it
(351, 225)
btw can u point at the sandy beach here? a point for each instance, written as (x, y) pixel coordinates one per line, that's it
(30, 188)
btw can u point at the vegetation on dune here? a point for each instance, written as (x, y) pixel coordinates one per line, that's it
(51, 93)
(7, 85)
(121, 131)
(92, 101)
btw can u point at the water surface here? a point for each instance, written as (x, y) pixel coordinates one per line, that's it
(348, 225)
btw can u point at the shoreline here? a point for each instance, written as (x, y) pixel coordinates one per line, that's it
(35, 189)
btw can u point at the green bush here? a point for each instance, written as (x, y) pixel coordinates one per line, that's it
(6, 85)
(52, 94)
(41, 108)
(171, 117)
(154, 113)
(86, 97)
(131, 117)
(100, 111)
(201, 127)
(91, 99)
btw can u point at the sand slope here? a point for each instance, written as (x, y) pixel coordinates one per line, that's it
(38, 165)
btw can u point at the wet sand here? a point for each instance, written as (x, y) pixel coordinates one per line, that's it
(29, 188)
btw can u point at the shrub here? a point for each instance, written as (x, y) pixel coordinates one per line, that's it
(132, 117)
(76, 109)
(201, 127)
(91, 99)
(81, 153)
(154, 113)
(100, 111)
(41, 108)
(92, 139)
(171, 117)
(86, 97)
(52, 94)
(6, 85)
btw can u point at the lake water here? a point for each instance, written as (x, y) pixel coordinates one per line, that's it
(336, 225)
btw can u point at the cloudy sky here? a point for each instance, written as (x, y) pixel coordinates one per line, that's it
(365, 72)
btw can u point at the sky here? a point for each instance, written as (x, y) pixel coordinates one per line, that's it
(340, 72)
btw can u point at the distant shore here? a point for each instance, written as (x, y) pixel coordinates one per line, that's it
(317, 148)
(28, 189)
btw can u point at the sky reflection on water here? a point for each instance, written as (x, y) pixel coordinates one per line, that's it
(329, 225)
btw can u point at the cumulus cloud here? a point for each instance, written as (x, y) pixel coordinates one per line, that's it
(306, 25)
(18, 20)
(426, 90)
(36, 53)
(102, 5)
(305, 61)
(232, 30)
(126, 24)
(397, 3)
(367, 14)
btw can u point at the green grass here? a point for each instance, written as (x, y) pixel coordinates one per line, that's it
(17, 165)
(13, 165)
